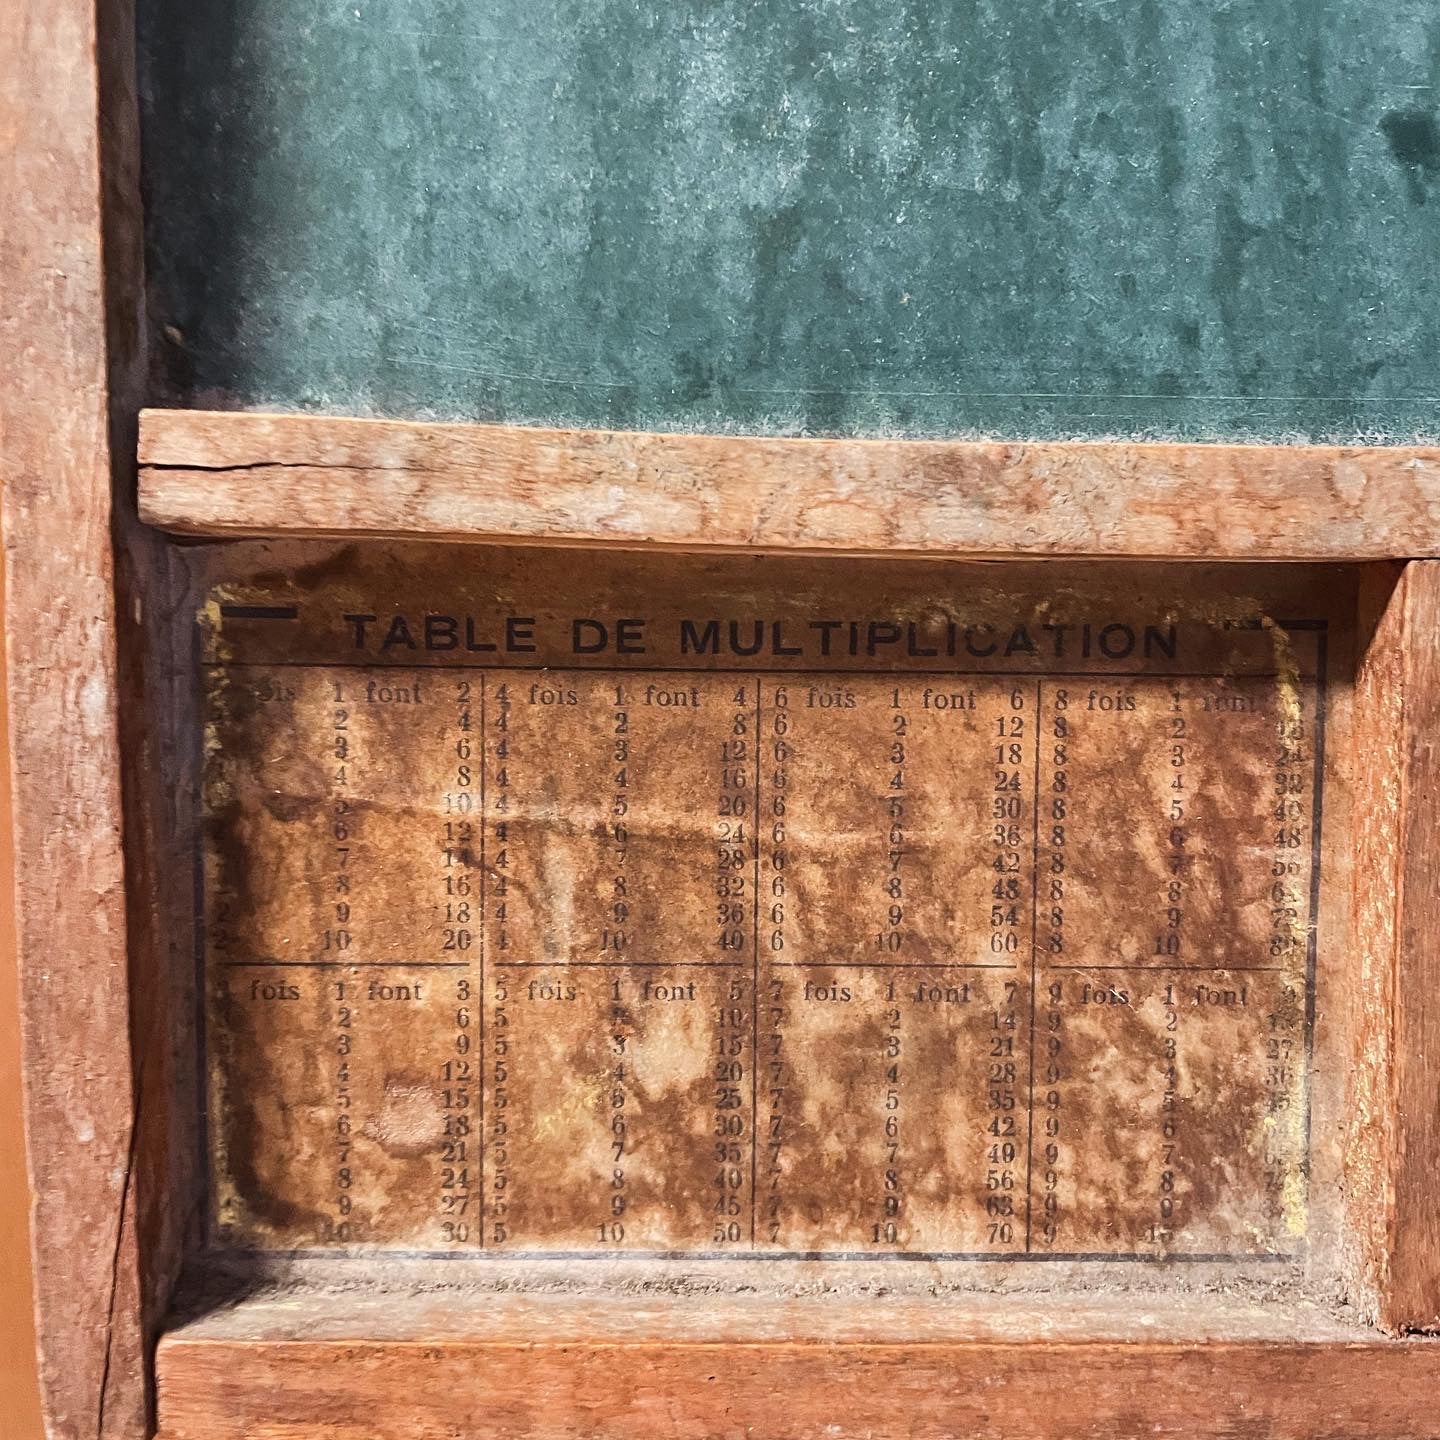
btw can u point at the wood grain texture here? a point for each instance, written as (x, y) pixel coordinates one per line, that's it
(159, 737)
(796, 1391)
(206, 473)
(532, 1371)
(1411, 1293)
(55, 462)
(1394, 1144)
(19, 1383)
(1378, 764)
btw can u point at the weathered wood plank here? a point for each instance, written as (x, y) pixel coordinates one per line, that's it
(1413, 1299)
(1377, 763)
(1395, 1206)
(66, 65)
(207, 473)
(557, 1386)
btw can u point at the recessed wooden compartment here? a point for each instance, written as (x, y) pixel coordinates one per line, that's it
(1259, 1270)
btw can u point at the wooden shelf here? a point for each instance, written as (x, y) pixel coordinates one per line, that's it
(1025, 1367)
(232, 474)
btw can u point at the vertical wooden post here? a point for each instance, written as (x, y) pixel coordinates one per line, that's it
(1392, 1184)
(1412, 1292)
(68, 329)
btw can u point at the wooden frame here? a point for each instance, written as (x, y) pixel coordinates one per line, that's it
(92, 671)
(71, 339)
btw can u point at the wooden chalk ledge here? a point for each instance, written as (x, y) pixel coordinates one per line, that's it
(235, 474)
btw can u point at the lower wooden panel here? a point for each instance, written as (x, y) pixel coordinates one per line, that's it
(796, 1389)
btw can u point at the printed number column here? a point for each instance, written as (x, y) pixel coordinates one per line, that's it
(894, 975)
(339, 992)
(1174, 851)
(619, 960)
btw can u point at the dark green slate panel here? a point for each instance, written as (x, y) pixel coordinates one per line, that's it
(1095, 217)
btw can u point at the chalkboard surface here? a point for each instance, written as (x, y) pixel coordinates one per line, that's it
(1184, 218)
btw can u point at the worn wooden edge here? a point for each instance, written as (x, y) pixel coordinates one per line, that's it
(284, 1306)
(472, 1365)
(69, 336)
(160, 737)
(1377, 767)
(1411, 1298)
(1393, 1144)
(864, 1370)
(238, 474)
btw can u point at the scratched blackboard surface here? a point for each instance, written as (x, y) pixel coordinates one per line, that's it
(1191, 218)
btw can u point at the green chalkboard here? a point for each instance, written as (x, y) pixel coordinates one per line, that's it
(1191, 218)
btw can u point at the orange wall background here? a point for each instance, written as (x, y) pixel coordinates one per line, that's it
(19, 1392)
